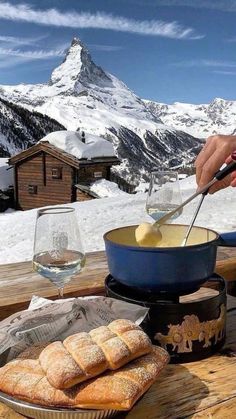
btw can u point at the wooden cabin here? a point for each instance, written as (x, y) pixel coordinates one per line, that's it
(47, 175)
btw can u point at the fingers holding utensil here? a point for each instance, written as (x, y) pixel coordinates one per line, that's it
(212, 156)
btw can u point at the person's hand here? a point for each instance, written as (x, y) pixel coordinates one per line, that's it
(214, 154)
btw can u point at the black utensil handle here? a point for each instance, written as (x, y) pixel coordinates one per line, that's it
(226, 171)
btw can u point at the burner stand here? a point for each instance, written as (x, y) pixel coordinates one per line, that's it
(190, 327)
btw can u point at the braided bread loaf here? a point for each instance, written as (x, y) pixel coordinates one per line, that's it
(85, 355)
(25, 380)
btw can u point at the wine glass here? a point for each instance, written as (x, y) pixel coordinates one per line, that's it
(58, 250)
(163, 195)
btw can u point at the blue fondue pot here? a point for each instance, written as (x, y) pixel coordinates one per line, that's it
(165, 269)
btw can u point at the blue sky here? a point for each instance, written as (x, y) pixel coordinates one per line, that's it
(164, 50)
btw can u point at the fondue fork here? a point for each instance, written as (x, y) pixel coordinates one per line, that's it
(193, 219)
(221, 174)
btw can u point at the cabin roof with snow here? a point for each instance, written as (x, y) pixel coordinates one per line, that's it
(80, 144)
(68, 147)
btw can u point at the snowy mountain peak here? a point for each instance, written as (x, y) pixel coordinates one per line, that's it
(219, 100)
(76, 41)
(77, 70)
(82, 96)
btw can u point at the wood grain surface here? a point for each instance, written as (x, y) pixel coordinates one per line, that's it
(18, 282)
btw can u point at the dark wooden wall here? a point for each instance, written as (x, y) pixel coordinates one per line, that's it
(86, 174)
(83, 196)
(38, 171)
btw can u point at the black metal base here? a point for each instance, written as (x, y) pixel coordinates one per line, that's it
(190, 329)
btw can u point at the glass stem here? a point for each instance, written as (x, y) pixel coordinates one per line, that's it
(61, 292)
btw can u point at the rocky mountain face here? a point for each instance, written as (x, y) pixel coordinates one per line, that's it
(218, 117)
(21, 128)
(173, 149)
(81, 95)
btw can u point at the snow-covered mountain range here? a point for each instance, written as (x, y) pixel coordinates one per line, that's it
(80, 95)
(218, 117)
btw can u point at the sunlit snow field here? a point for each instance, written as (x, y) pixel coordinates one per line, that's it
(97, 216)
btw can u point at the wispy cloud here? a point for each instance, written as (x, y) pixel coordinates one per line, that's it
(21, 41)
(231, 39)
(11, 62)
(226, 68)
(32, 55)
(73, 19)
(225, 73)
(12, 57)
(205, 63)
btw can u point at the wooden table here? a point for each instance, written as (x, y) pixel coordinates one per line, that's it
(202, 389)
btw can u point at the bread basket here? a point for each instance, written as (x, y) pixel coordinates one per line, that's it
(39, 412)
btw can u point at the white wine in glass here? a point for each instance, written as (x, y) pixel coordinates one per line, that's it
(163, 195)
(58, 250)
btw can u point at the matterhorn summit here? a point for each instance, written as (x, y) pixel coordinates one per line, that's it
(78, 71)
(82, 96)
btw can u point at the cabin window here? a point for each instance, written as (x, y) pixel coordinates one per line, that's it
(97, 174)
(57, 173)
(33, 189)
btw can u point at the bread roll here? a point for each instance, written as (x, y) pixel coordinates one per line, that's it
(25, 380)
(61, 369)
(85, 355)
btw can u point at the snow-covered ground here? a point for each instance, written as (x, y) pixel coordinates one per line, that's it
(97, 216)
(104, 188)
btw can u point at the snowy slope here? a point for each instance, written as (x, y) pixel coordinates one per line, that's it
(20, 128)
(98, 216)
